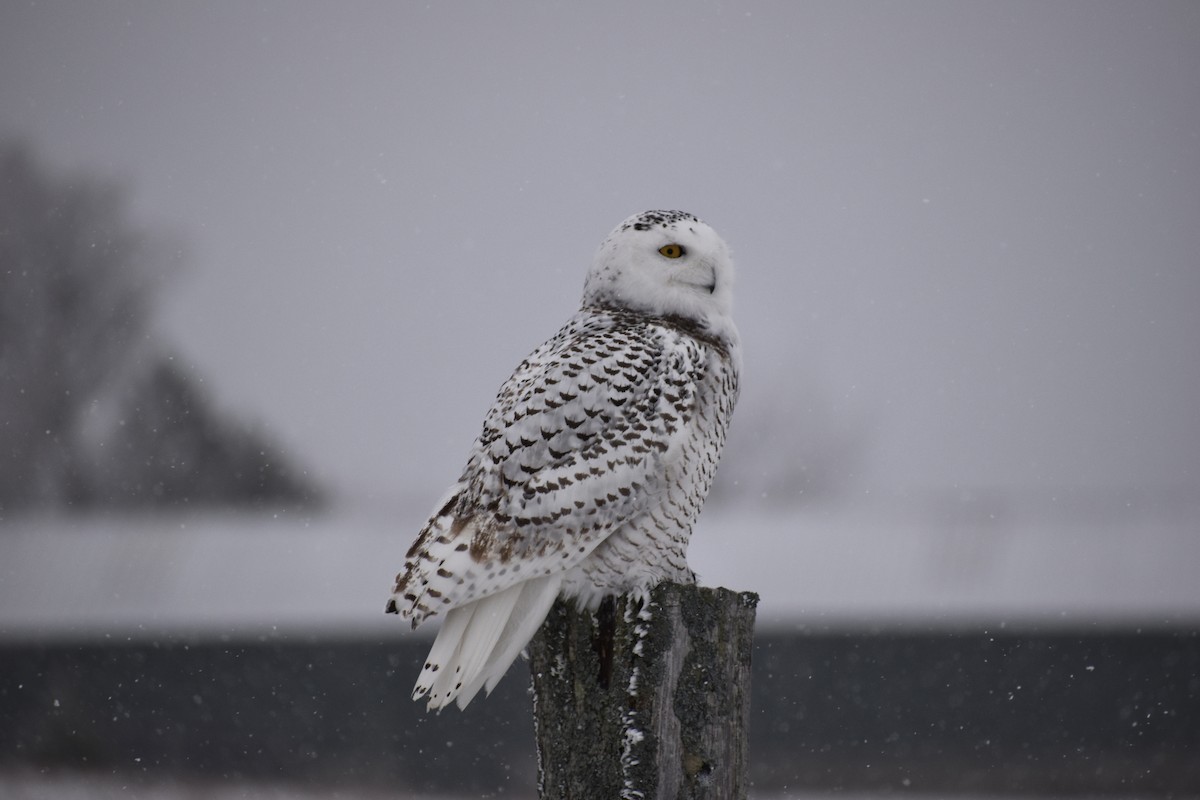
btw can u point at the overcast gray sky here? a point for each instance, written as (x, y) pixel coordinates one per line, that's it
(971, 229)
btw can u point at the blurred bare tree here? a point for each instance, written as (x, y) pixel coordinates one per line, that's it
(790, 446)
(74, 291)
(79, 375)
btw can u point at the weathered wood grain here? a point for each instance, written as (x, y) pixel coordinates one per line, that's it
(645, 700)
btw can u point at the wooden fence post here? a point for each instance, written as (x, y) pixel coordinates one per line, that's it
(645, 702)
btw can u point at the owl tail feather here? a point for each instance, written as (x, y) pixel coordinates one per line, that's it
(479, 641)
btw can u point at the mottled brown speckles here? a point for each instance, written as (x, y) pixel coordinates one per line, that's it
(573, 449)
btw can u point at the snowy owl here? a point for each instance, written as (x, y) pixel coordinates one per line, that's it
(594, 459)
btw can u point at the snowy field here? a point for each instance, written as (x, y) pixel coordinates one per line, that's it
(31, 786)
(237, 576)
(37, 787)
(226, 574)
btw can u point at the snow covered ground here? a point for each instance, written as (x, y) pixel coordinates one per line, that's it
(247, 575)
(250, 574)
(33, 786)
(30, 786)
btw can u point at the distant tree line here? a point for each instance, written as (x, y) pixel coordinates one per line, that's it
(93, 411)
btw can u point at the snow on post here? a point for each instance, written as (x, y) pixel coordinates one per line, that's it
(645, 699)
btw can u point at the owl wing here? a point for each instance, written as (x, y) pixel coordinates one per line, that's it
(579, 438)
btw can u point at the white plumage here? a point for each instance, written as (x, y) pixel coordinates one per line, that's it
(593, 462)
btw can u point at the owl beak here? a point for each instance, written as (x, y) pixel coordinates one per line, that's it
(701, 275)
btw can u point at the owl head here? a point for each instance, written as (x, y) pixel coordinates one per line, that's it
(664, 263)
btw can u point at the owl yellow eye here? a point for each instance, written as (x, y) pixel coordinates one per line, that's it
(671, 250)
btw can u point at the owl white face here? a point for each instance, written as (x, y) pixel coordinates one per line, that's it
(664, 263)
